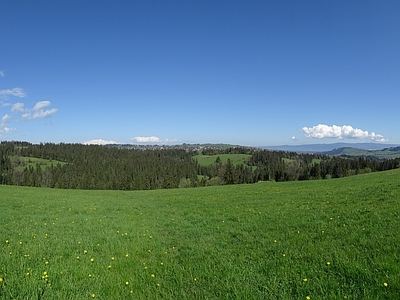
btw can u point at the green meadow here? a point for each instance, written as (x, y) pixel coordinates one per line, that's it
(34, 162)
(236, 159)
(327, 239)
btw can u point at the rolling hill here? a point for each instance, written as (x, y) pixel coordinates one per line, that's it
(322, 239)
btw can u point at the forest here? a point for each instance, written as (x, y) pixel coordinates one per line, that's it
(78, 166)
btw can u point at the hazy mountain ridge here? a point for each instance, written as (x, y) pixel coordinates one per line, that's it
(385, 153)
(311, 148)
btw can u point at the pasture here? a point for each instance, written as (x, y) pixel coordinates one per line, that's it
(328, 239)
(236, 159)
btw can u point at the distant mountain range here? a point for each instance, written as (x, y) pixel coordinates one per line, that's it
(312, 148)
(386, 153)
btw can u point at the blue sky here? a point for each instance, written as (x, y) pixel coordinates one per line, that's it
(242, 72)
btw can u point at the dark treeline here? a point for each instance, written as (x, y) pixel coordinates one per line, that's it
(265, 165)
(78, 166)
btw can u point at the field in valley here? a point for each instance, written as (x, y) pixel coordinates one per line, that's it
(327, 239)
(236, 159)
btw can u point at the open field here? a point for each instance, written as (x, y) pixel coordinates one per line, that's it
(330, 239)
(34, 162)
(236, 159)
(44, 163)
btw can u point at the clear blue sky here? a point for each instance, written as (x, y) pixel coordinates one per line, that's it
(241, 72)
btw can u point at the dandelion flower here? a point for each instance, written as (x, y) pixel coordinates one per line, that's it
(308, 297)
(385, 284)
(93, 295)
(126, 282)
(109, 266)
(85, 251)
(152, 275)
(7, 241)
(92, 259)
(20, 243)
(1, 279)
(112, 258)
(126, 255)
(328, 263)
(305, 279)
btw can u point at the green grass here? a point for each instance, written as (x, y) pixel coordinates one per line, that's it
(33, 161)
(236, 159)
(330, 239)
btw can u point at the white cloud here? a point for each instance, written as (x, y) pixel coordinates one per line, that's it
(16, 92)
(18, 107)
(40, 105)
(171, 140)
(2, 73)
(38, 111)
(5, 120)
(147, 139)
(321, 131)
(99, 142)
(152, 140)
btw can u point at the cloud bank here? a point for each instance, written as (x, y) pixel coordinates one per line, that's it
(147, 139)
(151, 140)
(99, 142)
(322, 131)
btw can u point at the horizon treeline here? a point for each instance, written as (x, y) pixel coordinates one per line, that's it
(78, 166)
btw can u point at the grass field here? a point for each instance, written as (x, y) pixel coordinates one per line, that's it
(206, 160)
(330, 239)
(34, 162)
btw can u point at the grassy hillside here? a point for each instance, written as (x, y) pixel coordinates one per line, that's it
(34, 162)
(331, 239)
(206, 160)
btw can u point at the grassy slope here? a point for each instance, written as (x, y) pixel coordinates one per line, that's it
(33, 161)
(206, 160)
(326, 239)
